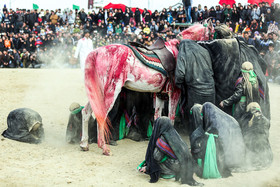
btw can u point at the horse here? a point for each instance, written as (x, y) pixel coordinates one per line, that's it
(114, 66)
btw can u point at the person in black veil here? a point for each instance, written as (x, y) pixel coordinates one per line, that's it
(255, 129)
(168, 155)
(207, 120)
(25, 125)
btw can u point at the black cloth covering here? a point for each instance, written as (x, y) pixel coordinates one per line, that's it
(229, 133)
(227, 56)
(194, 75)
(255, 129)
(196, 117)
(199, 139)
(163, 127)
(24, 125)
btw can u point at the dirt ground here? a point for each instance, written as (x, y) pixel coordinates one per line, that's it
(50, 92)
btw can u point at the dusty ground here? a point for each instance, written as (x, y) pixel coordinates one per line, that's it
(50, 92)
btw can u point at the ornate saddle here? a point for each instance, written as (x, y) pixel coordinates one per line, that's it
(165, 56)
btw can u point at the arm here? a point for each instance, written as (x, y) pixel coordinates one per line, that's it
(235, 97)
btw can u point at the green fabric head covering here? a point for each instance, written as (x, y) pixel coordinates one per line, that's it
(253, 76)
(76, 111)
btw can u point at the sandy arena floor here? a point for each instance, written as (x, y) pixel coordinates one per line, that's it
(50, 92)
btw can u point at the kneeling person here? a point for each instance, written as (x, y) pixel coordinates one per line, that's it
(168, 155)
(74, 127)
(24, 125)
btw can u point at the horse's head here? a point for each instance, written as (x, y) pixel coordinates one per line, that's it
(199, 32)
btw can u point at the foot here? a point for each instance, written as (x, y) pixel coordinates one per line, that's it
(194, 183)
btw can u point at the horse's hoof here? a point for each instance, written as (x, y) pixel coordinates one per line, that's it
(107, 153)
(84, 148)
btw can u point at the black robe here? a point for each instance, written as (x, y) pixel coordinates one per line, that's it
(21, 124)
(163, 127)
(255, 129)
(227, 56)
(229, 133)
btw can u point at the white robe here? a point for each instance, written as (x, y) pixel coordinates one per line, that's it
(84, 47)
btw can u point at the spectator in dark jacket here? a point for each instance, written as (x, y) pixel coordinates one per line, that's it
(212, 13)
(32, 18)
(235, 16)
(219, 13)
(137, 16)
(5, 59)
(82, 16)
(242, 13)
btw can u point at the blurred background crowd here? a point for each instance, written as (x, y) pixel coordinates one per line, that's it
(33, 38)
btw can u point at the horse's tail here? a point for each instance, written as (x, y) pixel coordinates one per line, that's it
(95, 92)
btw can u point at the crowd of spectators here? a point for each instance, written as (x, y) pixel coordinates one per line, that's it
(30, 38)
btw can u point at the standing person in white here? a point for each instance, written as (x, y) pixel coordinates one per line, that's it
(84, 47)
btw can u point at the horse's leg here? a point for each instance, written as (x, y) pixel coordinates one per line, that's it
(173, 102)
(86, 113)
(159, 105)
(109, 102)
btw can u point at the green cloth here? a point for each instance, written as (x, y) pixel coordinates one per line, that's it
(178, 114)
(210, 169)
(149, 130)
(35, 6)
(141, 165)
(253, 76)
(215, 36)
(76, 7)
(199, 162)
(164, 159)
(118, 30)
(243, 99)
(167, 176)
(123, 130)
(76, 111)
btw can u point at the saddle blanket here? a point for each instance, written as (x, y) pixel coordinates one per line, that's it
(148, 58)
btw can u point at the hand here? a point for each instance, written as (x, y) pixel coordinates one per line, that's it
(222, 104)
(143, 169)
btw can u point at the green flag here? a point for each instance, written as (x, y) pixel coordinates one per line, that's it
(76, 7)
(35, 6)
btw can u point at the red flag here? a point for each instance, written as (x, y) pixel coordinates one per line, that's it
(227, 2)
(260, 1)
(115, 6)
